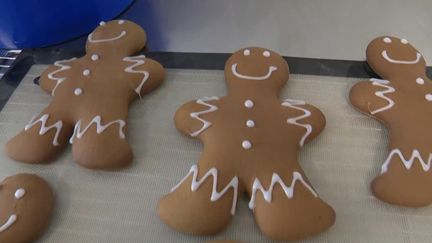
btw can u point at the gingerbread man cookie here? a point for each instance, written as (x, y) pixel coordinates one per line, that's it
(402, 100)
(91, 96)
(251, 144)
(26, 205)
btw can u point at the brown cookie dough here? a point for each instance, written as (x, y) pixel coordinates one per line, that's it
(401, 100)
(91, 98)
(26, 205)
(251, 144)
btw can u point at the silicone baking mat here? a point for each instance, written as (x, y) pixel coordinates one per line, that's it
(120, 206)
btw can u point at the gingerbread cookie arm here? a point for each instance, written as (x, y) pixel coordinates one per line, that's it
(371, 97)
(54, 75)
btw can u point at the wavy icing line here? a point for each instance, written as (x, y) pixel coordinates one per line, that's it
(61, 68)
(295, 105)
(196, 115)
(130, 69)
(381, 94)
(44, 128)
(215, 194)
(289, 190)
(407, 162)
(78, 133)
(91, 40)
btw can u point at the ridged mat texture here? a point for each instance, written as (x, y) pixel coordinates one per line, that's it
(98, 206)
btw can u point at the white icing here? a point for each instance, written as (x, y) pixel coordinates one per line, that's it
(296, 104)
(289, 190)
(266, 76)
(385, 55)
(428, 97)
(249, 104)
(387, 40)
(250, 123)
(19, 193)
(78, 133)
(383, 83)
(196, 115)
(86, 72)
(246, 52)
(415, 156)
(78, 91)
(11, 220)
(102, 23)
(215, 194)
(246, 144)
(420, 81)
(44, 128)
(121, 22)
(137, 61)
(119, 36)
(95, 57)
(404, 41)
(62, 67)
(266, 53)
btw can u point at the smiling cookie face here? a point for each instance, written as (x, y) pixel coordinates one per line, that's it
(390, 56)
(256, 66)
(26, 203)
(117, 36)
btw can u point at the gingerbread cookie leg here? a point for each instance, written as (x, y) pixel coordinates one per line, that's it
(42, 138)
(287, 207)
(99, 142)
(202, 203)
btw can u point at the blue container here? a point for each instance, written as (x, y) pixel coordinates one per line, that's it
(37, 23)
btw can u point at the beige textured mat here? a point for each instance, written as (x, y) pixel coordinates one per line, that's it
(95, 206)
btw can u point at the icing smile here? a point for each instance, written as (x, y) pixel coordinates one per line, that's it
(237, 74)
(92, 40)
(389, 59)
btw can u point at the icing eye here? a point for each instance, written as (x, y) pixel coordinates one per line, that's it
(266, 53)
(404, 41)
(246, 52)
(19, 193)
(420, 81)
(102, 23)
(121, 22)
(428, 97)
(387, 40)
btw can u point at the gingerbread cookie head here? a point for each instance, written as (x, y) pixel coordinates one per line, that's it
(26, 203)
(118, 37)
(391, 57)
(256, 68)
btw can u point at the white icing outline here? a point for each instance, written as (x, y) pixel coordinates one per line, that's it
(78, 133)
(11, 220)
(215, 194)
(389, 59)
(130, 69)
(381, 94)
(264, 77)
(44, 128)
(295, 105)
(407, 162)
(196, 115)
(289, 190)
(62, 67)
(91, 40)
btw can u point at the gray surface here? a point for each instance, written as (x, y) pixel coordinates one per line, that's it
(97, 206)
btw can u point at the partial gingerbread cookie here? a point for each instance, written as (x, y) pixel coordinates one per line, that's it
(251, 144)
(402, 100)
(91, 97)
(26, 205)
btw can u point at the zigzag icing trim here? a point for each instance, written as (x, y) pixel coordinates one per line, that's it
(78, 133)
(62, 67)
(426, 165)
(289, 190)
(381, 94)
(306, 113)
(196, 115)
(215, 194)
(130, 69)
(44, 128)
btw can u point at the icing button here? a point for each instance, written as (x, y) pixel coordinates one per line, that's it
(249, 104)
(250, 123)
(246, 144)
(86, 72)
(95, 57)
(78, 91)
(428, 97)
(121, 22)
(102, 23)
(420, 81)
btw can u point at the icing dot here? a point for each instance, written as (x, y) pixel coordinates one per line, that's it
(250, 123)
(248, 104)
(387, 40)
(102, 23)
(95, 57)
(78, 91)
(420, 81)
(19, 193)
(428, 97)
(246, 52)
(266, 53)
(121, 22)
(246, 144)
(404, 41)
(86, 72)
